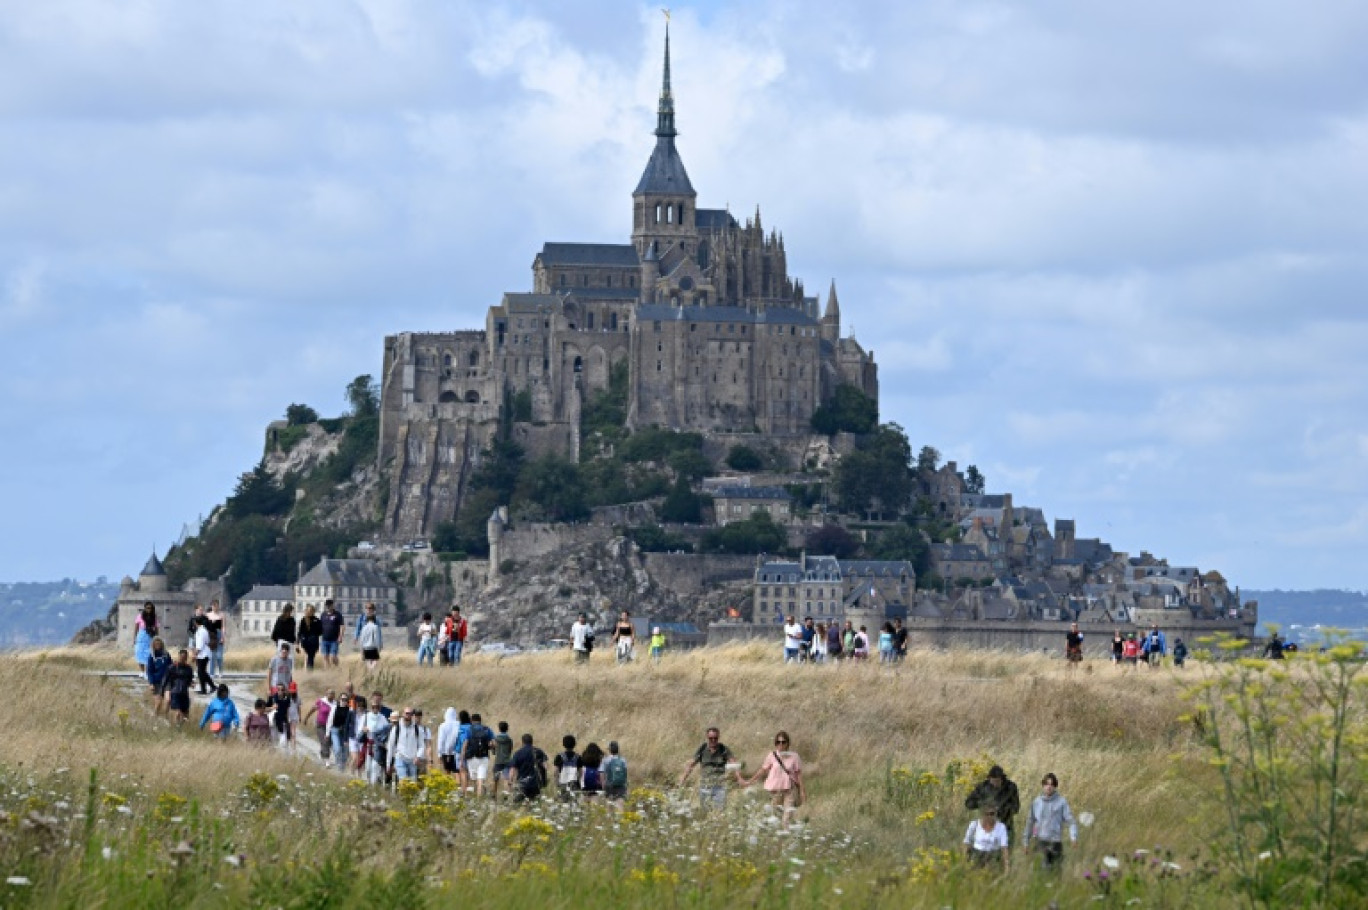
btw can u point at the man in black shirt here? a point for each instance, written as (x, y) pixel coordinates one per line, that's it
(331, 638)
(179, 679)
(712, 759)
(529, 770)
(899, 640)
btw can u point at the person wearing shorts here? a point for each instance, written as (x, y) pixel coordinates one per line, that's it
(177, 684)
(331, 623)
(503, 757)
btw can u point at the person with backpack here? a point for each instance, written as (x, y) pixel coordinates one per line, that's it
(529, 770)
(217, 637)
(1180, 653)
(375, 731)
(475, 757)
(783, 771)
(591, 772)
(179, 679)
(614, 775)
(1156, 646)
(503, 759)
(330, 626)
(860, 644)
(567, 764)
(285, 630)
(221, 715)
(405, 746)
(462, 734)
(310, 635)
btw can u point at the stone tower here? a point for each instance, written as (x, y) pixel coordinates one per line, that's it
(663, 211)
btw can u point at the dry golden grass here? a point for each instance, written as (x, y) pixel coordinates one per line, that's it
(1112, 736)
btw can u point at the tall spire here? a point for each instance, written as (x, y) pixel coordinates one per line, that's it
(665, 127)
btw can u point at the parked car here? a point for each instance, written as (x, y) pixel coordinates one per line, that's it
(365, 545)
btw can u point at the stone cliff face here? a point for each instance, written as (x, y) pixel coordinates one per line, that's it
(533, 604)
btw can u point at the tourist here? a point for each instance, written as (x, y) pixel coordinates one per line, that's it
(793, 639)
(145, 629)
(444, 641)
(529, 770)
(848, 639)
(567, 764)
(986, 840)
(285, 629)
(1049, 813)
(463, 724)
(279, 703)
(280, 671)
(1155, 647)
(1180, 653)
(615, 775)
(321, 710)
(1118, 648)
(425, 734)
(999, 793)
(369, 638)
(339, 731)
(503, 758)
(1073, 646)
(310, 635)
(179, 679)
(258, 725)
(375, 730)
(591, 772)
(886, 643)
(860, 644)
(357, 747)
(783, 772)
(623, 637)
(809, 635)
(460, 631)
(657, 643)
(582, 638)
(195, 620)
(446, 742)
(899, 641)
(405, 746)
(218, 637)
(1274, 649)
(835, 641)
(221, 715)
(330, 633)
(819, 644)
(203, 653)
(1130, 651)
(475, 753)
(158, 665)
(713, 760)
(427, 640)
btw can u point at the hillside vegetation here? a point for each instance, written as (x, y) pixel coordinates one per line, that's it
(890, 754)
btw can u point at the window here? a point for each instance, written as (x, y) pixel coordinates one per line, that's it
(657, 325)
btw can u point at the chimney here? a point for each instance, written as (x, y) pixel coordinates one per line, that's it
(300, 571)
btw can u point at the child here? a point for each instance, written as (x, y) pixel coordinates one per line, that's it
(258, 724)
(280, 707)
(614, 775)
(567, 768)
(221, 715)
(657, 644)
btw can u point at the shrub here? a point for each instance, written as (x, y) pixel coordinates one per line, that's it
(744, 458)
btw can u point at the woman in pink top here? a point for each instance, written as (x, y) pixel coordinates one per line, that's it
(784, 777)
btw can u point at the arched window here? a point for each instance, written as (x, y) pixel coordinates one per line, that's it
(669, 214)
(446, 360)
(473, 397)
(474, 358)
(579, 364)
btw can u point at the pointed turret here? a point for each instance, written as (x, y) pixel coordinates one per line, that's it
(663, 201)
(831, 319)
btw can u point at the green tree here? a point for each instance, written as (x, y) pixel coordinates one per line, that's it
(258, 493)
(682, 505)
(744, 458)
(849, 411)
(974, 481)
(522, 405)
(902, 541)
(928, 459)
(875, 477)
(757, 534)
(551, 485)
(832, 540)
(690, 464)
(297, 415)
(363, 396)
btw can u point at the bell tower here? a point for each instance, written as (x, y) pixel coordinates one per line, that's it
(663, 201)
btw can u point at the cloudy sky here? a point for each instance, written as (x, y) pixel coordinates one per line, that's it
(1112, 254)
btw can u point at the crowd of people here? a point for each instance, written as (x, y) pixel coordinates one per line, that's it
(812, 641)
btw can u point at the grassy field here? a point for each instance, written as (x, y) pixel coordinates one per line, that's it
(889, 756)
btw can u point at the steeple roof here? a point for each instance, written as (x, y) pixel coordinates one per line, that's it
(833, 306)
(665, 173)
(153, 568)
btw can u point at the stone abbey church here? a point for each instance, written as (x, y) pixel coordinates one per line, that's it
(715, 334)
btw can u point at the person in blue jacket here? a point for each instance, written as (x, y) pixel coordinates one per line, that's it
(223, 713)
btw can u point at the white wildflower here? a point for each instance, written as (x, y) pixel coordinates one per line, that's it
(1111, 862)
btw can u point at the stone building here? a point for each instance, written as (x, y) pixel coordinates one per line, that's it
(739, 502)
(698, 312)
(827, 588)
(174, 607)
(350, 584)
(258, 609)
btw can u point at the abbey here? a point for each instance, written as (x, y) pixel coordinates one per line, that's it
(699, 309)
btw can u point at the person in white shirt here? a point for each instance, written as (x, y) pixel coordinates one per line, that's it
(427, 640)
(202, 655)
(582, 638)
(793, 639)
(405, 746)
(985, 841)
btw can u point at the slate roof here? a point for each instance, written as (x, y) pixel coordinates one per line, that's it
(351, 572)
(713, 219)
(664, 172)
(958, 552)
(775, 316)
(597, 254)
(153, 568)
(269, 592)
(876, 567)
(737, 491)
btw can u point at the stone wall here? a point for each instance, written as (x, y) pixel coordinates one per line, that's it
(528, 541)
(686, 573)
